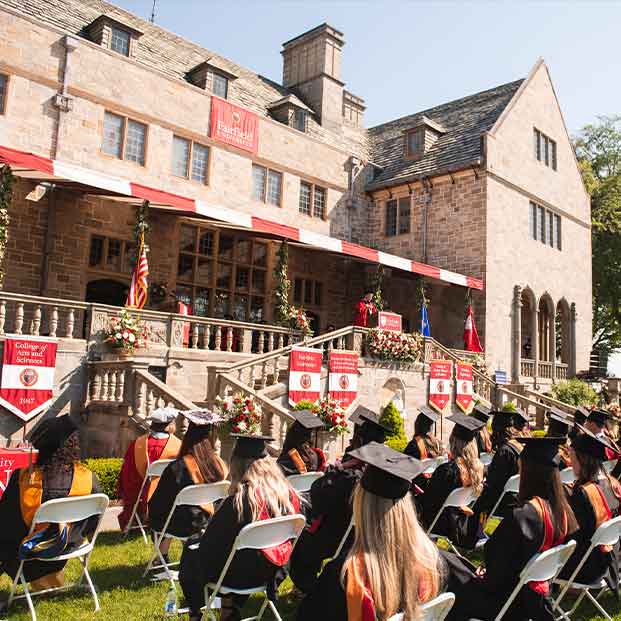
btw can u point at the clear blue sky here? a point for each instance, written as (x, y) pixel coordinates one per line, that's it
(402, 57)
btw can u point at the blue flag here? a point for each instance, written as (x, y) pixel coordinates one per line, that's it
(425, 328)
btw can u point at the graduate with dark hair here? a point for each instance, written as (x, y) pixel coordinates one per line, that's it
(298, 455)
(521, 423)
(559, 426)
(424, 444)
(483, 438)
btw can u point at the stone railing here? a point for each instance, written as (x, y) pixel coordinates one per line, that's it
(527, 367)
(561, 370)
(522, 401)
(549, 401)
(545, 370)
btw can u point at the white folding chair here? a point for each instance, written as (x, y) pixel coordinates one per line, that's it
(567, 475)
(610, 465)
(194, 496)
(434, 610)
(302, 483)
(256, 536)
(154, 471)
(64, 511)
(542, 567)
(606, 535)
(431, 463)
(345, 537)
(486, 458)
(512, 486)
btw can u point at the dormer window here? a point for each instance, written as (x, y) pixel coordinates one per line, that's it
(290, 111)
(299, 119)
(119, 41)
(220, 86)
(212, 75)
(421, 137)
(114, 35)
(415, 142)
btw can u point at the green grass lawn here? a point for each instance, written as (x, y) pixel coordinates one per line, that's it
(116, 568)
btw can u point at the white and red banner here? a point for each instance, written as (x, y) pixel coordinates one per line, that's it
(389, 321)
(471, 336)
(343, 377)
(305, 374)
(11, 460)
(463, 387)
(28, 365)
(440, 374)
(234, 125)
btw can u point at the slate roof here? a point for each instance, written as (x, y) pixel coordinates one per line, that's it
(464, 121)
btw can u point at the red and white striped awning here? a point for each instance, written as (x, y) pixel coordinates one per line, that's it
(26, 163)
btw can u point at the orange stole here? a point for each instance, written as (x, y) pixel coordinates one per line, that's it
(141, 457)
(197, 477)
(464, 476)
(422, 447)
(360, 606)
(297, 460)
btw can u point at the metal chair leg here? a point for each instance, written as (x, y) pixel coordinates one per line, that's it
(275, 612)
(33, 614)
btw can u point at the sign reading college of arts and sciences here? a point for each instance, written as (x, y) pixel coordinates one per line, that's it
(28, 366)
(305, 374)
(440, 374)
(234, 125)
(343, 377)
(11, 460)
(463, 387)
(389, 321)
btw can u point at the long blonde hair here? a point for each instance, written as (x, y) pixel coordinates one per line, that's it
(466, 453)
(399, 561)
(263, 483)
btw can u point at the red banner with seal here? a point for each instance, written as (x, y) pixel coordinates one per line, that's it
(305, 374)
(440, 375)
(11, 460)
(234, 125)
(28, 366)
(463, 387)
(343, 377)
(389, 321)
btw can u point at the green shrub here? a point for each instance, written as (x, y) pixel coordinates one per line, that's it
(305, 404)
(395, 438)
(509, 407)
(107, 471)
(574, 392)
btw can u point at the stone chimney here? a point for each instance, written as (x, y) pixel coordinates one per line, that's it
(312, 68)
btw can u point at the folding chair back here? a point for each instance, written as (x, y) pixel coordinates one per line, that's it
(302, 483)
(269, 533)
(431, 463)
(156, 468)
(567, 475)
(607, 534)
(610, 464)
(460, 497)
(438, 608)
(203, 494)
(512, 486)
(486, 458)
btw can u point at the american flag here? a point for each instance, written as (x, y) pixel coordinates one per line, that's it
(138, 289)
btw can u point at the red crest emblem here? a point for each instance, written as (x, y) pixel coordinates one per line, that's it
(441, 387)
(305, 381)
(464, 387)
(28, 377)
(236, 117)
(343, 382)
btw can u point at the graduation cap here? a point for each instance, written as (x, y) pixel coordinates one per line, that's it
(559, 422)
(163, 416)
(307, 419)
(203, 417)
(599, 417)
(52, 433)
(389, 474)
(520, 417)
(466, 427)
(589, 443)
(541, 450)
(581, 414)
(427, 412)
(502, 419)
(482, 412)
(363, 415)
(250, 446)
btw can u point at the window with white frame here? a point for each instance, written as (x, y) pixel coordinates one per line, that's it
(220, 85)
(189, 159)
(124, 138)
(312, 200)
(545, 149)
(398, 216)
(119, 40)
(545, 226)
(266, 185)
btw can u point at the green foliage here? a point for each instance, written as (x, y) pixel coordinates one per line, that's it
(282, 286)
(396, 438)
(509, 407)
(376, 287)
(107, 471)
(6, 194)
(304, 404)
(574, 392)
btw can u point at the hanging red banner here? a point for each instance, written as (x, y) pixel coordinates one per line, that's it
(440, 374)
(305, 374)
(234, 125)
(343, 376)
(463, 386)
(389, 321)
(11, 460)
(28, 365)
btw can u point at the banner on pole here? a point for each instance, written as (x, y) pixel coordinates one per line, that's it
(389, 321)
(440, 374)
(463, 387)
(234, 125)
(28, 365)
(343, 376)
(11, 460)
(305, 374)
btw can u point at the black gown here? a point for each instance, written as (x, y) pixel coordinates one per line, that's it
(289, 467)
(482, 438)
(600, 564)
(518, 537)
(413, 450)
(331, 515)
(14, 529)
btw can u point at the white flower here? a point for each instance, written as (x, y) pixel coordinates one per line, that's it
(242, 425)
(125, 334)
(118, 336)
(132, 338)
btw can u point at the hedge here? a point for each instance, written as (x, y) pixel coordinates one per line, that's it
(396, 438)
(107, 471)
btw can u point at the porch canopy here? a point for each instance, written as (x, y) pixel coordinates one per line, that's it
(42, 169)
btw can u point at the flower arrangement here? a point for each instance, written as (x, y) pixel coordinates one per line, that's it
(126, 332)
(478, 364)
(614, 409)
(241, 414)
(388, 345)
(332, 414)
(299, 320)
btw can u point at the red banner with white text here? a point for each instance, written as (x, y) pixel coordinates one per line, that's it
(28, 366)
(440, 374)
(11, 460)
(234, 125)
(389, 321)
(305, 374)
(343, 377)
(463, 387)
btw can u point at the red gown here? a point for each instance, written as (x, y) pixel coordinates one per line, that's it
(363, 310)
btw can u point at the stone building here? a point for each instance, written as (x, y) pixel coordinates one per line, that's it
(100, 109)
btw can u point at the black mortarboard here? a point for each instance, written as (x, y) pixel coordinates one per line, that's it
(250, 446)
(502, 419)
(363, 415)
(599, 417)
(429, 413)
(482, 412)
(559, 423)
(51, 433)
(581, 414)
(307, 419)
(520, 417)
(203, 417)
(589, 443)
(541, 450)
(465, 426)
(389, 474)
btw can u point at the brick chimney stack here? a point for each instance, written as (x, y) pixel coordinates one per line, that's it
(312, 67)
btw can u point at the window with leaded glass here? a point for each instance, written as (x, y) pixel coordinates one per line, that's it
(113, 135)
(306, 191)
(180, 157)
(259, 175)
(414, 143)
(404, 215)
(319, 202)
(299, 119)
(3, 88)
(135, 143)
(391, 218)
(119, 41)
(274, 184)
(113, 255)
(189, 159)
(200, 160)
(545, 149)
(124, 138)
(544, 225)
(220, 85)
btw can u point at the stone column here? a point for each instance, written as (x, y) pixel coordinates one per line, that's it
(535, 343)
(517, 334)
(552, 342)
(573, 318)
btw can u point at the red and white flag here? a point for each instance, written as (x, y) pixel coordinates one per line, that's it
(471, 336)
(28, 366)
(139, 288)
(305, 374)
(463, 387)
(343, 377)
(440, 375)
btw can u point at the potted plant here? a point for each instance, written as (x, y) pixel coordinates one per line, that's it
(125, 333)
(240, 413)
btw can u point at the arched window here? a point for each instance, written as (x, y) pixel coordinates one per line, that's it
(527, 330)
(563, 345)
(546, 329)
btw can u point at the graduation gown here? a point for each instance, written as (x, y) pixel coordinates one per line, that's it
(519, 536)
(292, 461)
(331, 515)
(363, 310)
(593, 504)
(423, 447)
(186, 520)
(16, 522)
(484, 443)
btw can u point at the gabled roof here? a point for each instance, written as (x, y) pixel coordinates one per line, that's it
(464, 120)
